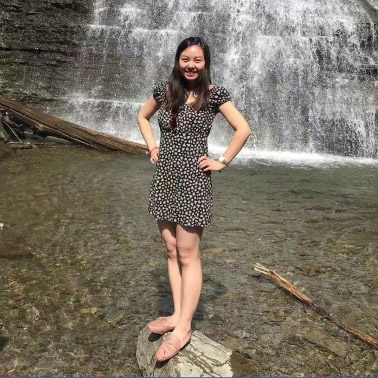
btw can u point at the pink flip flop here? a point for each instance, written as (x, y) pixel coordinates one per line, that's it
(170, 347)
(161, 325)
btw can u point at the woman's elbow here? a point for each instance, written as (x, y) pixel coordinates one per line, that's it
(141, 117)
(246, 130)
(138, 119)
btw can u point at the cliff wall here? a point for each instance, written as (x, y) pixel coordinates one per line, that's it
(39, 44)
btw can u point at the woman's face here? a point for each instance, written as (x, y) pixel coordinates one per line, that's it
(192, 62)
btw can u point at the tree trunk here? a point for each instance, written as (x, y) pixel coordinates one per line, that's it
(44, 124)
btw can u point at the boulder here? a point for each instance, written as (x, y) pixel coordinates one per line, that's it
(203, 357)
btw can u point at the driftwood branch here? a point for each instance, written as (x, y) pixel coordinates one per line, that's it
(282, 282)
(43, 124)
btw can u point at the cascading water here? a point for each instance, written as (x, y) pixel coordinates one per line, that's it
(303, 72)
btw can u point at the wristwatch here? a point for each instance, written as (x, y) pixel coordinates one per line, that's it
(223, 160)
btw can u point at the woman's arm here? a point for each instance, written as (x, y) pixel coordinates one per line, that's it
(241, 127)
(242, 132)
(149, 108)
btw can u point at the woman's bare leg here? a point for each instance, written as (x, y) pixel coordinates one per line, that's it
(187, 243)
(168, 233)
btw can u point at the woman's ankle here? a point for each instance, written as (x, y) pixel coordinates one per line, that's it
(183, 329)
(175, 318)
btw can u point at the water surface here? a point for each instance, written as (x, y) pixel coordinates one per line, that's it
(83, 266)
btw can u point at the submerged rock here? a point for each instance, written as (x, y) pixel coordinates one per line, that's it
(12, 244)
(5, 150)
(327, 342)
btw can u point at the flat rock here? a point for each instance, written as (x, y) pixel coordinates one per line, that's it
(325, 341)
(241, 333)
(203, 357)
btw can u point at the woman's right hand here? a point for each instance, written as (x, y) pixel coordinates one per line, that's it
(154, 155)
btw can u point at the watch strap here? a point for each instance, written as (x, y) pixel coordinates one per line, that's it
(222, 160)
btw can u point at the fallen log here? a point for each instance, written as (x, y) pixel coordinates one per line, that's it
(282, 282)
(43, 124)
(3, 133)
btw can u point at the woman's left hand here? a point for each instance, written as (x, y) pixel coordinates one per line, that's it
(207, 164)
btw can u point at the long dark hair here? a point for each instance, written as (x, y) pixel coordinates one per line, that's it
(176, 92)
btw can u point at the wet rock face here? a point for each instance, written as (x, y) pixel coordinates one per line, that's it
(303, 72)
(40, 39)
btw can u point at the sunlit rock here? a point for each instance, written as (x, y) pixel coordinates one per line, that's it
(202, 357)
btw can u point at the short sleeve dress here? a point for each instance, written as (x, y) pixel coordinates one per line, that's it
(180, 191)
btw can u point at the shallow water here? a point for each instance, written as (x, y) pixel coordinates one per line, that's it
(83, 266)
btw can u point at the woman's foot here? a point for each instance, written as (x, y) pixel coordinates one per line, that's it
(171, 345)
(162, 325)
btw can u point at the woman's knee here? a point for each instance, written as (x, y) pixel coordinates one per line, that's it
(186, 254)
(168, 233)
(171, 248)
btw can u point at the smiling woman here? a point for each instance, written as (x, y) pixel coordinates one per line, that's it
(190, 80)
(181, 190)
(192, 63)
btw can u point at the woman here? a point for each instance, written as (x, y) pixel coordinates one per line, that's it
(181, 190)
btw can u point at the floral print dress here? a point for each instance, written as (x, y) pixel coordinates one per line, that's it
(180, 191)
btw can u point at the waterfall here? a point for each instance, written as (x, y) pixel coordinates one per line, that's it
(303, 72)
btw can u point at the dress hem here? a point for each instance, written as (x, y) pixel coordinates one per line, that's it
(178, 222)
